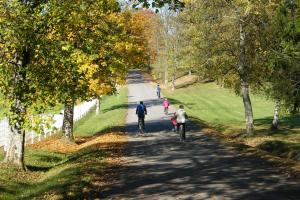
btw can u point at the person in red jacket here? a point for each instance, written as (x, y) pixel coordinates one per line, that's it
(174, 122)
(166, 105)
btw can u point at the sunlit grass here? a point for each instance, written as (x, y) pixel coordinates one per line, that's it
(223, 109)
(113, 110)
(54, 175)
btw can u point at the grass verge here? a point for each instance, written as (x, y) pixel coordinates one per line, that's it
(222, 110)
(59, 170)
(113, 110)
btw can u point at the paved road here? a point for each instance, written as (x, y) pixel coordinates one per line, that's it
(160, 167)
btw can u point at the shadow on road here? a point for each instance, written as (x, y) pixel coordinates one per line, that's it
(197, 169)
(162, 167)
(161, 126)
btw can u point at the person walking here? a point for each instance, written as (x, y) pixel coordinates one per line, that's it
(158, 91)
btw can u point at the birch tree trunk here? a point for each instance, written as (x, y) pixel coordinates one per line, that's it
(173, 82)
(97, 106)
(166, 52)
(244, 82)
(166, 74)
(276, 115)
(67, 127)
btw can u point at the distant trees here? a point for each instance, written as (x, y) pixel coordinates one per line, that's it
(240, 44)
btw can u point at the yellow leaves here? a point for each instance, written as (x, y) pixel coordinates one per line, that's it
(51, 35)
(65, 47)
(99, 87)
(103, 64)
(71, 36)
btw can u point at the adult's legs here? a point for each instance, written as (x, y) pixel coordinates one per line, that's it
(183, 131)
(142, 121)
(183, 134)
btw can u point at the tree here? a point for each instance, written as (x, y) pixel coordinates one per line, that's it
(19, 30)
(90, 52)
(156, 4)
(58, 51)
(228, 44)
(282, 42)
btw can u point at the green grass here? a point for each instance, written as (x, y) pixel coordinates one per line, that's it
(53, 175)
(224, 111)
(113, 110)
(217, 105)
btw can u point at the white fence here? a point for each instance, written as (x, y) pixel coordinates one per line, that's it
(79, 112)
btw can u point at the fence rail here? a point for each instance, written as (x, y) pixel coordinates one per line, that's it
(31, 136)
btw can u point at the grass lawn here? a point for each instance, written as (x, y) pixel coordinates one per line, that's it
(223, 110)
(113, 110)
(60, 170)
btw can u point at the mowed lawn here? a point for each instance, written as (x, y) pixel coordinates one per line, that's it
(60, 170)
(113, 110)
(223, 110)
(221, 106)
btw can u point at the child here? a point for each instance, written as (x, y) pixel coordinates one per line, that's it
(174, 122)
(166, 105)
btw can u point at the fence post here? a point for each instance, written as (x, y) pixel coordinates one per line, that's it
(32, 137)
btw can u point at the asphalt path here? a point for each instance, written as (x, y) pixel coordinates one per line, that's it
(159, 166)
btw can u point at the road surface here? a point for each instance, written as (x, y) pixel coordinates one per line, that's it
(158, 166)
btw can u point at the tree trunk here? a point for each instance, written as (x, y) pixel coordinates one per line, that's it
(159, 76)
(173, 82)
(244, 82)
(67, 127)
(16, 138)
(149, 67)
(276, 115)
(97, 106)
(248, 109)
(16, 148)
(166, 56)
(166, 75)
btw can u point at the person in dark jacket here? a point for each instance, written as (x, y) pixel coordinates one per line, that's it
(141, 111)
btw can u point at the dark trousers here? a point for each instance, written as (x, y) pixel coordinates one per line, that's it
(183, 134)
(142, 120)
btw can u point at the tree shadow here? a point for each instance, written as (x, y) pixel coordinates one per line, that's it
(136, 77)
(197, 169)
(282, 149)
(185, 85)
(115, 107)
(35, 168)
(286, 121)
(69, 179)
(175, 101)
(161, 126)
